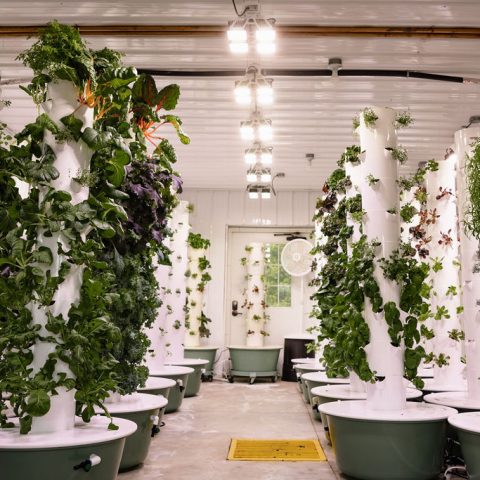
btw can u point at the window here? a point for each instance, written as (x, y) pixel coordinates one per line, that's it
(278, 283)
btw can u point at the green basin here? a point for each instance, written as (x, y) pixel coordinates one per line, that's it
(254, 362)
(51, 463)
(205, 353)
(467, 426)
(140, 408)
(177, 393)
(160, 387)
(195, 379)
(388, 445)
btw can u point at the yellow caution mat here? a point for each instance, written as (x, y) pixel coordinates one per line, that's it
(276, 450)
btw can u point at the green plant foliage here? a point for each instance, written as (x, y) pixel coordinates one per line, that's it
(472, 171)
(351, 155)
(203, 329)
(369, 117)
(403, 120)
(125, 219)
(399, 154)
(195, 240)
(407, 212)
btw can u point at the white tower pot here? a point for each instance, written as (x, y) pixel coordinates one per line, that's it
(448, 277)
(384, 227)
(255, 295)
(72, 158)
(195, 299)
(470, 278)
(176, 295)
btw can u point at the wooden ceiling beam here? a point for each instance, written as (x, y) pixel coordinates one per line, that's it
(283, 31)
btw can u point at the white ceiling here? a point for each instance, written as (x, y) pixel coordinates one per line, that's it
(310, 115)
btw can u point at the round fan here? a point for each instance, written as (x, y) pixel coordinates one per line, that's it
(296, 259)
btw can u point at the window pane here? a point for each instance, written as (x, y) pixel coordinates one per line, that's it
(271, 274)
(284, 297)
(272, 299)
(283, 277)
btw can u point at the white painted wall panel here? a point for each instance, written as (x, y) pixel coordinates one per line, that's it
(215, 210)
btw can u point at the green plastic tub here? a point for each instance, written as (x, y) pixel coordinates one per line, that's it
(195, 379)
(467, 426)
(177, 393)
(144, 410)
(384, 445)
(253, 362)
(158, 386)
(66, 455)
(205, 353)
(302, 369)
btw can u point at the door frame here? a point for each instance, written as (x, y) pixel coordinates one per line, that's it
(227, 293)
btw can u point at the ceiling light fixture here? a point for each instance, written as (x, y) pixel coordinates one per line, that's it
(259, 154)
(256, 128)
(252, 27)
(259, 175)
(254, 86)
(259, 191)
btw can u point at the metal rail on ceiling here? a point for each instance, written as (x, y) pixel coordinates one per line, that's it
(283, 31)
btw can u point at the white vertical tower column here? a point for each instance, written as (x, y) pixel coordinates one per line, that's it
(354, 171)
(444, 246)
(195, 297)
(469, 258)
(176, 296)
(379, 225)
(157, 333)
(71, 157)
(255, 295)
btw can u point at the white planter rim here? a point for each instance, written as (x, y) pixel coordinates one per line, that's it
(322, 377)
(187, 362)
(245, 347)
(468, 421)
(413, 412)
(157, 382)
(171, 370)
(306, 360)
(454, 399)
(435, 386)
(83, 434)
(136, 402)
(202, 348)
(344, 392)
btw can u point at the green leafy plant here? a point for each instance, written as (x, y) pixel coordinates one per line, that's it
(472, 171)
(371, 180)
(399, 154)
(403, 120)
(369, 117)
(407, 212)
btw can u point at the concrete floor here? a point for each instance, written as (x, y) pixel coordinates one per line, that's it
(193, 445)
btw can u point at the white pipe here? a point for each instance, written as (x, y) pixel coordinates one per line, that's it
(379, 225)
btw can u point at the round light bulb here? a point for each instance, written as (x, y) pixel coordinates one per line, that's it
(265, 131)
(243, 94)
(253, 195)
(250, 157)
(265, 94)
(237, 35)
(239, 47)
(266, 177)
(265, 34)
(266, 195)
(266, 157)
(251, 177)
(246, 131)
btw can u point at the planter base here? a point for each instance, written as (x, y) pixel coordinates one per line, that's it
(204, 353)
(301, 369)
(195, 379)
(55, 455)
(382, 445)
(253, 362)
(177, 393)
(158, 386)
(467, 426)
(143, 409)
(458, 400)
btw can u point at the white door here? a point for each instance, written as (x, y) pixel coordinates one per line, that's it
(288, 297)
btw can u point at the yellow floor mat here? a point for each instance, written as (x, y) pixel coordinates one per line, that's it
(276, 450)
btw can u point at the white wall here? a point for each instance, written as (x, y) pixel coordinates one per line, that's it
(215, 210)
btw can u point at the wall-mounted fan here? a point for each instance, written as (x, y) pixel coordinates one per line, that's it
(296, 259)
